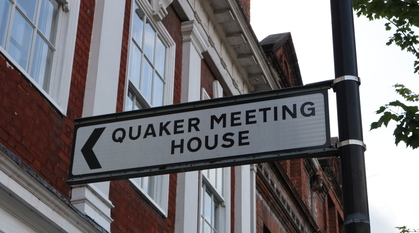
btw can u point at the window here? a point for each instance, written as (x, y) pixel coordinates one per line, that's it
(215, 188)
(31, 35)
(150, 83)
(212, 200)
(147, 64)
(155, 189)
(29, 29)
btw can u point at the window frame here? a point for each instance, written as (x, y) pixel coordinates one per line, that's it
(162, 204)
(219, 192)
(62, 62)
(217, 200)
(167, 41)
(163, 184)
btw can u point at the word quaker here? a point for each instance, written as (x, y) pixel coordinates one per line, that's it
(211, 131)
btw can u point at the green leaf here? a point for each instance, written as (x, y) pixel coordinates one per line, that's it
(402, 16)
(375, 125)
(382, 109)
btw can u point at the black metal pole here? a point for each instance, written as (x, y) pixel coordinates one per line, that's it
(351, 146)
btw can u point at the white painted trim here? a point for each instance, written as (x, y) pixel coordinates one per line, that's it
(159, 8)
(90, 200)
(217, 89)
(104, 61)
(63, 65)
(189, 184)
(170, 70)
(191, 74)
(63, 59)
(253, 193)
(213, 42)
(244, 212)
(101, 97)
(167, 40)
(204, 94)
(226, 213)
(258, 54)
(170, 52)
(187, 202)
(191, 62)
(163, 206)
(190, 33)
(34, 205)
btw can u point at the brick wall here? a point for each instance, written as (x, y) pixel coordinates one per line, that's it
(132, 212)
(266, 221)
(30, 125)
(172, 23)
(124, 57)
(300, 178)
(286, 165)
(207, 78)
(296, 171)
(246, 7)
(289, 203)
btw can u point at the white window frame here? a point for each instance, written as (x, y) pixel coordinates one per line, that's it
(217, 203)
(168, 42)
(159, 195)
(217, 182)
(62, 63)
(220, 193)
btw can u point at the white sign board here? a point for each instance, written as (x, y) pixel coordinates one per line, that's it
(195, 133)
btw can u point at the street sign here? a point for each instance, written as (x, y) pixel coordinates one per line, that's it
(213, 133)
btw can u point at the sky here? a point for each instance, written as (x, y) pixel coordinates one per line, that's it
(392, 174)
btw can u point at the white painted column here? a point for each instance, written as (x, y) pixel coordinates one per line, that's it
(101, 98)
(188, 186)
(253, 215)
(193, 47)
(104, 61)
(245, 199)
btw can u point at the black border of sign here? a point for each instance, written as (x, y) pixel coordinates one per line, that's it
(318, 151)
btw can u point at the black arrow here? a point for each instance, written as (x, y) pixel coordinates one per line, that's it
(87, 150)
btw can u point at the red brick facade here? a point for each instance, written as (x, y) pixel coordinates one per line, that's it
(30, 125)
(207, 79)
(245, 4)
(124, 196)
(308, 201)
(33, 129)
(25, 128)
(132, 213)
(173, 24)
(305, 192)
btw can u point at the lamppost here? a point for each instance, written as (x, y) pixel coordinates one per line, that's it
(351, 145)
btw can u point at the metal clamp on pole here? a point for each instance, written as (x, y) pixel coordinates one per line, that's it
(346, 78)
(352, 142)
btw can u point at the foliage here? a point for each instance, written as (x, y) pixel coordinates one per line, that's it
(404, 229)
(403, 15)
(406, 117)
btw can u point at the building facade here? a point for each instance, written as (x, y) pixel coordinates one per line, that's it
(62, 60)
